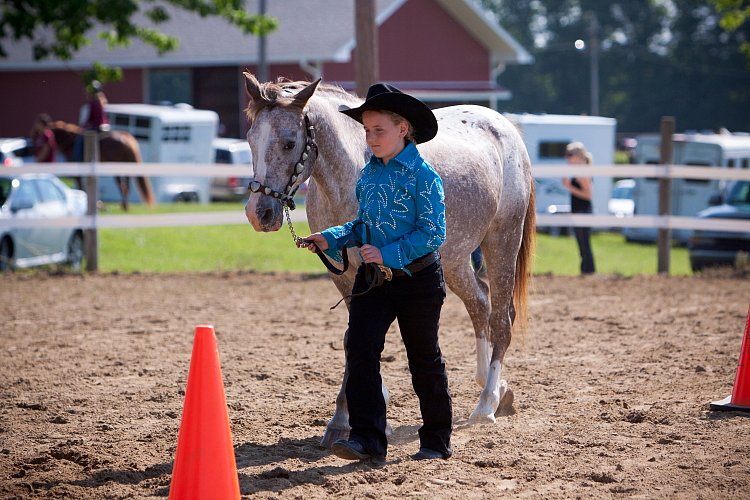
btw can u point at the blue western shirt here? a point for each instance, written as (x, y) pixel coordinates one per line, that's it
(403, 204)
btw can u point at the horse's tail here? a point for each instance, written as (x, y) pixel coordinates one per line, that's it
(524, 263)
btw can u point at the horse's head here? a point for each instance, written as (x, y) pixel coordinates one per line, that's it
(283, 147)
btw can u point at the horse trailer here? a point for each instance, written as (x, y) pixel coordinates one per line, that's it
(689, 196)
(546, 137)
(167, 134)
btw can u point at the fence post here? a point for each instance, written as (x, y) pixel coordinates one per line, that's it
(90, 236)
(664, 240)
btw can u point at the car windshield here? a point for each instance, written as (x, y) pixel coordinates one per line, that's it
(223, 156)
(740, 194)
(5, 184)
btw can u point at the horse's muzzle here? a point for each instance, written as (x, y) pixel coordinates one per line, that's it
(264, 213)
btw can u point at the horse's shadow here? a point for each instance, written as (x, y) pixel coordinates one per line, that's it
(307, 450)
(281, 478)
(404, 434)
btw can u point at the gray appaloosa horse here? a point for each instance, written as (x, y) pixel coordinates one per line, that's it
(297, 133)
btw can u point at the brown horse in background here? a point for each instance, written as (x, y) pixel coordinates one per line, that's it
(114, 146)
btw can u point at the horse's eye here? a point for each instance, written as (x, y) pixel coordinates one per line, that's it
(289, 145)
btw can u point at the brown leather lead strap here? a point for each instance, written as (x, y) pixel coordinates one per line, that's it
(374, 275)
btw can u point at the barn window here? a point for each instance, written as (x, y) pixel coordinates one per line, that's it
(170, 86)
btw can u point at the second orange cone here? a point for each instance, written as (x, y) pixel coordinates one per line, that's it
(204, 464)
(740, 398)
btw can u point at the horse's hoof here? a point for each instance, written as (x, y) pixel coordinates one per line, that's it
(505, 408)
(477, 418)
(333, 435)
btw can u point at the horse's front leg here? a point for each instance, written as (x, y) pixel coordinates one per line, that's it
(338, 426)
(124, 184)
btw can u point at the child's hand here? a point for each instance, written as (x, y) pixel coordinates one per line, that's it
(314, 242)
(370, 253)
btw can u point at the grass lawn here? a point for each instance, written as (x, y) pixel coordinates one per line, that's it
(612, 255)
(239, 247)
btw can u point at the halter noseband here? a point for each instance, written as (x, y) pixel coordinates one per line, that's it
(287, 196)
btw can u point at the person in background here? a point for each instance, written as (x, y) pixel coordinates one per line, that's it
(94, 117)
(45, 146)
(402, 204)
(581, 191)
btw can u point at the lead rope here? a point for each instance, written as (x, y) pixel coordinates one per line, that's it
(375, 274)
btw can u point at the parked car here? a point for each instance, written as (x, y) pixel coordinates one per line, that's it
(38, 196)
(621, 202)
(715, 248)
(232, 152)
(15, 151)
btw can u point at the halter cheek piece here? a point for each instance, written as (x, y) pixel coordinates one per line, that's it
(287, 196)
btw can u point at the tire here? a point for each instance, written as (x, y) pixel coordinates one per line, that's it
(75, 252)
(6, 255)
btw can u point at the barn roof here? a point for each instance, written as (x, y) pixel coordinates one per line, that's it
(310, 31)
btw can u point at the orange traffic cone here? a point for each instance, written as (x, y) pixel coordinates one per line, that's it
(740, 398)
(204, 465)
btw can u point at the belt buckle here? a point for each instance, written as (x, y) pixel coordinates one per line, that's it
(387, 272)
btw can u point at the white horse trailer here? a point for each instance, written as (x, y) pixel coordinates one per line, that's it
(167, 134)
(546, 137)
(689, 196)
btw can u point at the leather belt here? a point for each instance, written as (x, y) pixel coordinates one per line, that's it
(418, 265)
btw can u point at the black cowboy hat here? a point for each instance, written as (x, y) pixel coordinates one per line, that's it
(382, 96)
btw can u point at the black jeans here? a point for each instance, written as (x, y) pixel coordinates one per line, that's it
(583, 237)
(416, 302)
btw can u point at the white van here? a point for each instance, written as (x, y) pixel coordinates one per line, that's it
(689, 196)
(546, 137)
(167, 134)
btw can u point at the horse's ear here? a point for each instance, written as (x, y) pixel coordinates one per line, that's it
(304, 95)
(252, 85)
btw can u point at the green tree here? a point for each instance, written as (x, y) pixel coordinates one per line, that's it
(657, 57)
(69, 24)
(735, 13)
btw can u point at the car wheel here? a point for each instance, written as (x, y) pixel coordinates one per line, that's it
(75, 252)
(6, 255)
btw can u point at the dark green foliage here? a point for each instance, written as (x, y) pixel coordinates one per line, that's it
(657, 58)
(69, 21)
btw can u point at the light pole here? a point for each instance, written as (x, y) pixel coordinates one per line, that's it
(594, 64)
(366, 51)
(593, 33)
(262, 49)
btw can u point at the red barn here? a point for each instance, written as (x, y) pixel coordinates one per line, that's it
(443, 51)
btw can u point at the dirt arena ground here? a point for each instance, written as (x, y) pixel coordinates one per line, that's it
(612, 385)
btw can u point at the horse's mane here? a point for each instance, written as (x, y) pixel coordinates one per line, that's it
(282, 92)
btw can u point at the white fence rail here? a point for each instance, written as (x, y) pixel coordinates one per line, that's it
(97, 221)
